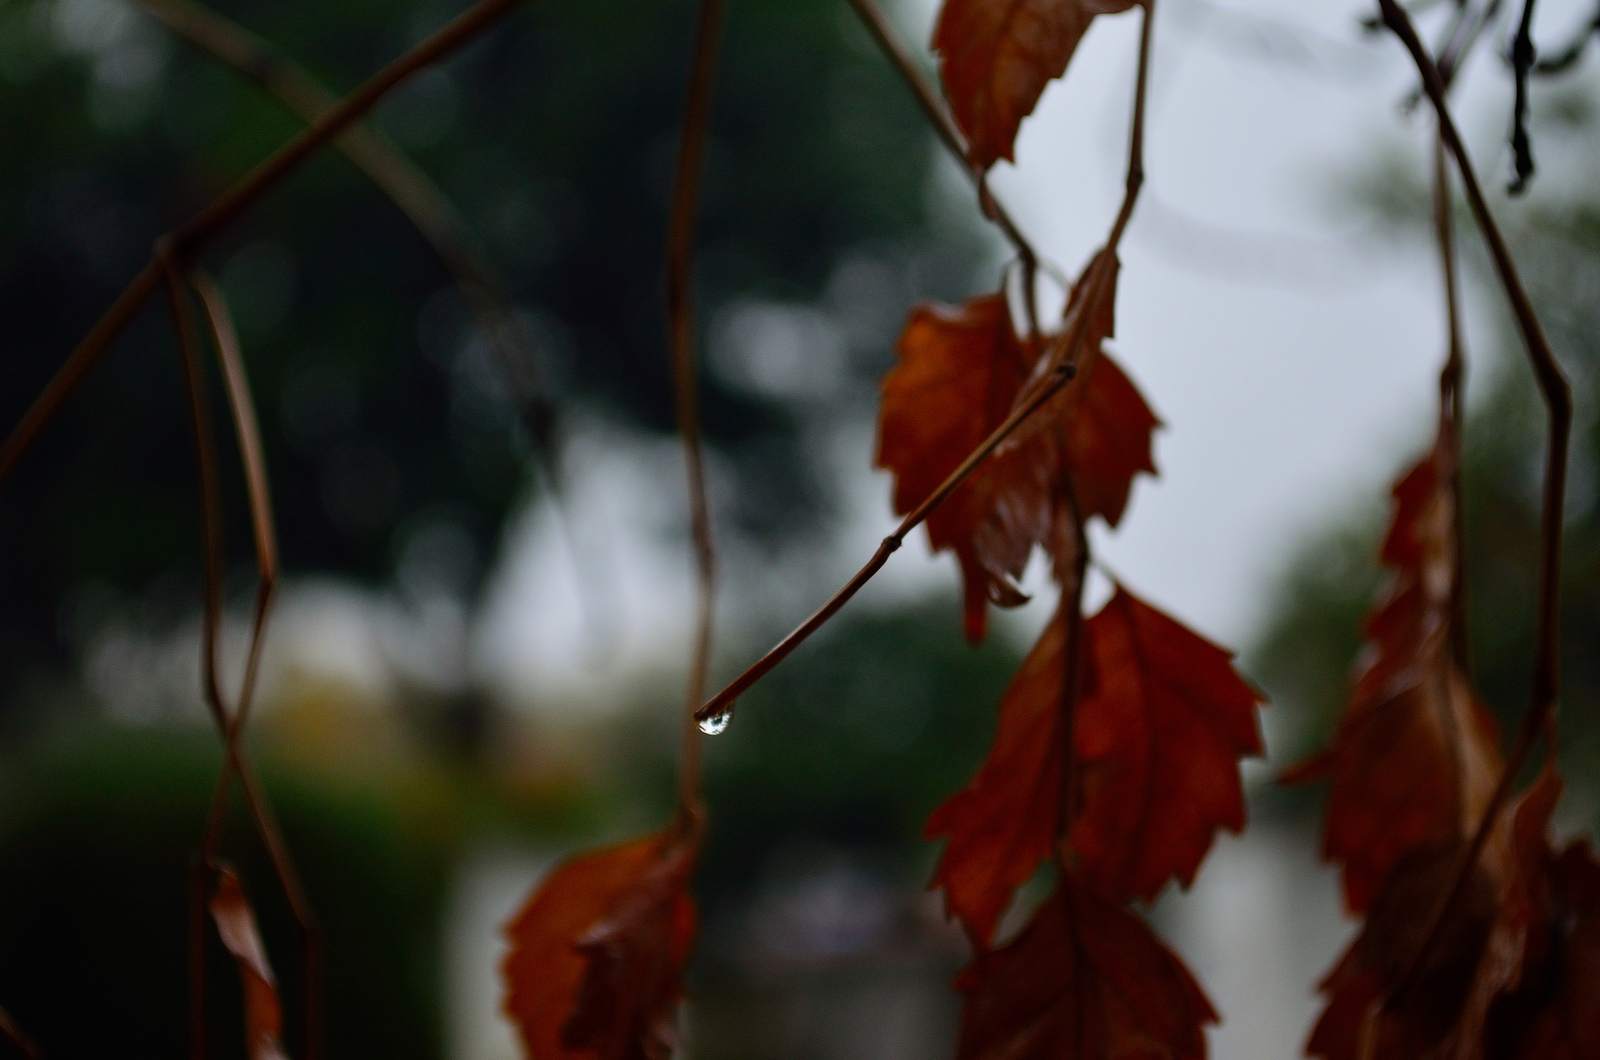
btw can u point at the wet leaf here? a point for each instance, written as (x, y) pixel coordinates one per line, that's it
(236, 925)
(1003, 824)
(1568, 1028)
(1416, 755)
(1085, 979)
(598, 952)
(960, 374)
(998, 56)
(1495, 941)
(1162, 723)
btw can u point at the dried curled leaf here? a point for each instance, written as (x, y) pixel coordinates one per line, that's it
(236, 925)
(1416, 756)
(1488, 960)
(960, 374)
(1003, 824)
(598, 951)
(998, 55)
(1085, 979)
(1568, 1027)
(959, 371)
(1162, 722)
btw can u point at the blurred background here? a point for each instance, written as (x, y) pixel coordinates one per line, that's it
(478, 658)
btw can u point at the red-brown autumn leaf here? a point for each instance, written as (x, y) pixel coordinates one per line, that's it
(1003, 824)
(1494, 942)
(960, 374)
(959, 371)
(1568, 1027)
(1416, 756)
(598, 951)
(1085, 979)
(1161, 725)
(998, 55)
(236, 925)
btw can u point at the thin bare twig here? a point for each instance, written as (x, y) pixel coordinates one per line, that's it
(246, 430)
(410, 189)
(1453, 398)
(14, 1034)
(1522, 60)
(1062, 355)
(229, 723)
(1557, 397)
(680, 322)
(186, 241)
(950, 135)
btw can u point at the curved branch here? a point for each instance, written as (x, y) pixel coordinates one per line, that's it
(680, 323)
(1557, 396)
(230, 724)
(184, 242)
(411, 190)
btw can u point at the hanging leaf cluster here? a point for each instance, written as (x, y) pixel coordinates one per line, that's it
(1480, 937)
(1116, 753)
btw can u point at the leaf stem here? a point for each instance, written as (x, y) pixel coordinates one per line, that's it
(1071, 679)
(680, 323)
(1452, 401)
(1557, 396)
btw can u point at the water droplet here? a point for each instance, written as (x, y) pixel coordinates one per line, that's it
(716, 723)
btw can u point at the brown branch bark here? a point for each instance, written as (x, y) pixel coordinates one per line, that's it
(1523, 57)
(230, 723)
(680, 323)
(1453, 398)
(16, 1037)
(1539, 717)
(185, 242)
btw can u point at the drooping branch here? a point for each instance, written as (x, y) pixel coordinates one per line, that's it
(186, 241)
(1557, 397)
(939, 117)
(1062, 356)
(229, 723)
(1522, 59)
(680, 324)
(1453, 397)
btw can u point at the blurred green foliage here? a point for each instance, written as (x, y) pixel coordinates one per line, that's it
(555, 136)
(97, 836)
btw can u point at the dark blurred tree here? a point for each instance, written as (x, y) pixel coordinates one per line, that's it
(97, 835)
(384, 418)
